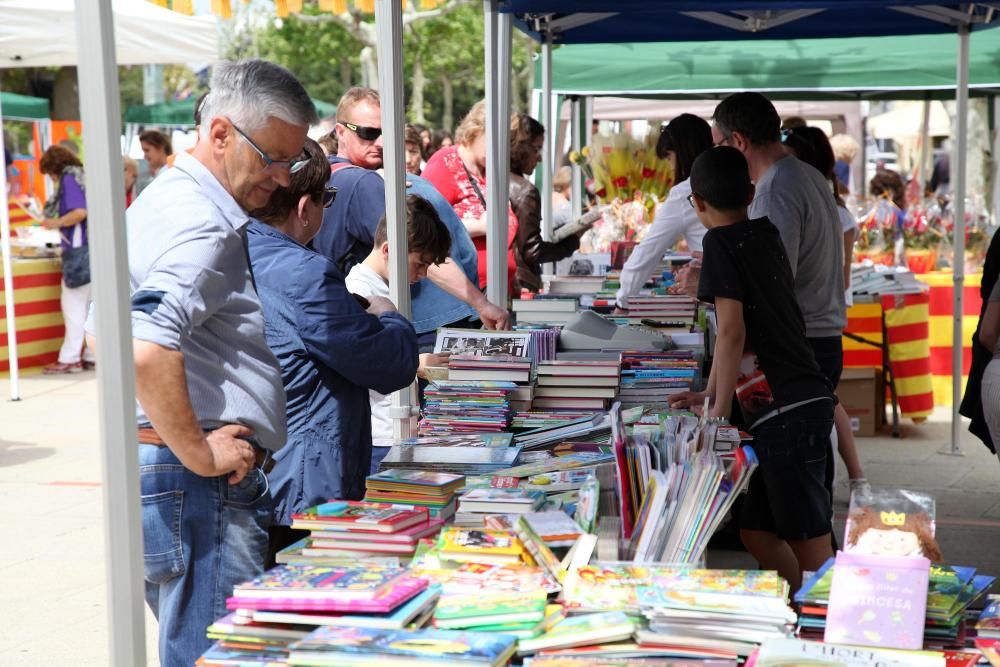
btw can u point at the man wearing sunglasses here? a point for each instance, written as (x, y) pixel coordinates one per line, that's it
(448, 296)
(211, 401)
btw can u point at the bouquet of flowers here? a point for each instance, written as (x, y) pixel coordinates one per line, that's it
(878, 231)
(625, 174)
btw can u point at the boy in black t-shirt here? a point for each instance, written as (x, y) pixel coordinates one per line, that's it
(785, 399)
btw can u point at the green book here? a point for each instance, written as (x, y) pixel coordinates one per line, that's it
(473, 611)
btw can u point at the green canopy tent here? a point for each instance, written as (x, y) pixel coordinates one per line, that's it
(911, 67)
(24, 107)
(180, 113)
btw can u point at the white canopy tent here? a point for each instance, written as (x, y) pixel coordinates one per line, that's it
(42, 33)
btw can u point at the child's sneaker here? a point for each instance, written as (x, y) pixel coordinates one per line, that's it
(861, 487)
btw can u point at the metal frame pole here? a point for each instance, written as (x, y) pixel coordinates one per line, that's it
(100, 113)
(497, 148)
(958, 206)
(575, 130)
(8, 281)
(389, 32)
(550, 131)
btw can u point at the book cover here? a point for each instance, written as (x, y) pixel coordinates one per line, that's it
(374, 517)
(796, 652)
(471, 541)
(479, 648)
(308, 581)
(386, 601)
(394, 480)
(878, 601)
(553, 526)
(513, 496)
(466, 611)
(398, 619)
(582, 630)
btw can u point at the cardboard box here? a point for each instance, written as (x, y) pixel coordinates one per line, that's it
(862, 394)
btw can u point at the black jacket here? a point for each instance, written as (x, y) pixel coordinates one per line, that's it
(530, 250)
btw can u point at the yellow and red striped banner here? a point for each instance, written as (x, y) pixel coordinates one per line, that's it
(37, 286)
(942, 324)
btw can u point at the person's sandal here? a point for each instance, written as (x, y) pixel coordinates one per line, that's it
(60, 368)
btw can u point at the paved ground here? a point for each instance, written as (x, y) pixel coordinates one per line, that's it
(52, 558)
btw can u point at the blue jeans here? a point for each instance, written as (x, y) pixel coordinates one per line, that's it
(378, 453)
(201, 536)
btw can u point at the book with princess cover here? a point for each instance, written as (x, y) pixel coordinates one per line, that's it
(403, 589)
(469, 611)
(581, 631)
(479, 546)
(802, 653)
(878, 601)
(368, 517)
(344, 647)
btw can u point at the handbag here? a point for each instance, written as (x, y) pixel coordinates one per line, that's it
(76, 266)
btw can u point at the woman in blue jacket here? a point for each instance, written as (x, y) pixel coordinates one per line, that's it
(332, 350)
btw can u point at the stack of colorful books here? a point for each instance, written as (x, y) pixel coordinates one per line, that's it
(452, 407)
(338, 646)
(951, 590)
(521, 614)
(575, 385)
(662, 308)
(478, 545)
(475, 505)
(418, 488)
(649, 378)
(342, 529)
(503, 368)
(482, 459)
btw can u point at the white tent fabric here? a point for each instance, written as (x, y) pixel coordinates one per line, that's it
(42, 33)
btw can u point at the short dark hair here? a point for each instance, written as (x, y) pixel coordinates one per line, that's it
(310, 180)
(411, 135)
(55, 159)
(721, 177)
(425, 233)
(524, 130)
(887, 182)
(158, 139)
(811, 145)
(750, 114)
(688, 136)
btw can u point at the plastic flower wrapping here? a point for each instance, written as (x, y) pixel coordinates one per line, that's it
(626, 175)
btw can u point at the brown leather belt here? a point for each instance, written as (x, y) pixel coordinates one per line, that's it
(263, 458)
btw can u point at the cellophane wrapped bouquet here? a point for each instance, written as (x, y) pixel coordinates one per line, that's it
(628, 177)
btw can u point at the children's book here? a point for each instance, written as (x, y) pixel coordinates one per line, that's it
(479, 546)
(405, 480)
(314, 582)
(294, 555)
(389, 599)
(223, 653)
(771, 609)
(988, 624)
(581, 631)
(470, 611)
(605, 586)
(361, 516)
(397, 620)
(553, 614)
(556, 528)
(330, 645)
(795, 652)
(483, 578)
(878, 601)
(514, 501)
(406, 536)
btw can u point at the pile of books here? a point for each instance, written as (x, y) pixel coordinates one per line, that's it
(575, 285)
(475, 505)
(875, 279)
(482, 459)
(576, 385)
(649, 378)
(988, 624)
(464, 367)
(418, 488)
(520, 614)
(527, 420)
(590, 427)
(731, 611)
(544, 310)
(345, 529)
(672, 308)
(465, 407)
(951, 590)
(479, 545)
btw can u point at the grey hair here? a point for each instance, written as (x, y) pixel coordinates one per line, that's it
(249, 92)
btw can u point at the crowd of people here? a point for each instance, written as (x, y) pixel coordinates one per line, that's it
(265, 342)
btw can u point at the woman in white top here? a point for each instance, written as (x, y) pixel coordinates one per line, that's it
(989, 336)
(681, 141)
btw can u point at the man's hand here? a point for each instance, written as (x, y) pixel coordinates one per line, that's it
(230, 453)
(493, 316)
(693, 400)
(50, 223)
(379, 305)
(620, 312)
(431, 360)
(688, 277)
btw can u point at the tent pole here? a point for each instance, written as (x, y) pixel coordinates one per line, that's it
(497, 132)
(8, 280)
(575, 128)
(958, 206)
(389, 38)
(550, 132)
(925, 149)
(100, 111)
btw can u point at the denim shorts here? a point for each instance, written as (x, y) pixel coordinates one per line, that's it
(787, 495)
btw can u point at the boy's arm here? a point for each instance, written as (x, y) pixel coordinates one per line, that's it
(450, 277)
(728, 352)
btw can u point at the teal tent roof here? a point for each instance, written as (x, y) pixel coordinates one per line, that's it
(181, 113)
(24, 106)
(870, 67)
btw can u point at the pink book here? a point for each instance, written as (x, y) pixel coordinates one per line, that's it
(878, 601)
(400, 592)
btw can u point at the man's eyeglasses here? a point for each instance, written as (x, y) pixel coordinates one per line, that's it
(366, 133)
(690, 199)
(722, 142)
(293, 166)
(329, 196)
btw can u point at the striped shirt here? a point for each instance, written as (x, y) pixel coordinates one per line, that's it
(192, 291)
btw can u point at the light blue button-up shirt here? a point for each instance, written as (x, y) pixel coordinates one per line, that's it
(192, 291)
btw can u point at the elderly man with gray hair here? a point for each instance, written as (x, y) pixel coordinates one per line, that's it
(211, 402)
